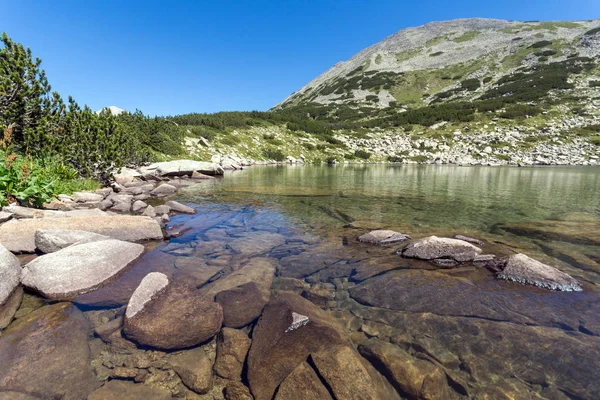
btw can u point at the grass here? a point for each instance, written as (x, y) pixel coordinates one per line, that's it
(378, 59)
(467, 36)
(407, 55)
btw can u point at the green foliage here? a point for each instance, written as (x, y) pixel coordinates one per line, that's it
(467, 36)
(594, 83)
(546, 53)
(520, 111)
(362, 154)
(595, 140)
(470, 84)
(592, 31)
(540, 44)
(437, 53)
(273, 154)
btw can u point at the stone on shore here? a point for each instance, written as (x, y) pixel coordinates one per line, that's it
(163, 189)
(176, 317)
(19, 235)
(80, 268)
(138, 205)
(241, 305)
(47, 352)
(523, 269)
(5, 216)
(52, 240)
(195, 369)
(433, 247)
(10, 276)
(383, 237)
(180, 208)
(125, 390)
(302, 384)
(26, 212)
(232, 348)
(87, 197)
(182, 167)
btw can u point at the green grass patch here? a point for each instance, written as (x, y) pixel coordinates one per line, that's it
(378, 59)
(407, 55)
(467, 36)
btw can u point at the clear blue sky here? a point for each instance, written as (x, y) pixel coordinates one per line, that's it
(170, 57)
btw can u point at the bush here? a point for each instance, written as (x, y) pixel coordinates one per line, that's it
(595, 140)
(362, 154)
(592, 31)
(273, 154)
(470, 84)
(540, 44)
(437, 53)
(594, 84)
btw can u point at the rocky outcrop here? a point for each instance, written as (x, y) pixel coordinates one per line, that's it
(232, 348)
(125, 390)
(195, 369)
(47, 352)
(241, 305)
(52, 240)
(10, 295)
(80, 268)
(176, 317)
(18, 236)
(523, 269)
(181, 167)
(433, 247)
(383, 237)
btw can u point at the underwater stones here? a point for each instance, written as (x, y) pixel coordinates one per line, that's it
(9, 307)
(241, 305)
(298, 321)
(383, 237)
(194, 368)
(302, 384)
(259, 270)
(52, 240)
(174, 318)
(522, 269)
(232, 348)
(180, 208)
(469, 239)
(163, 189)
(19, 235)
(10, 276)
(125, 390)
(418, 378)
(47, 352)
(256, 243)
(433, 247)
(237, 391)
(79, 268)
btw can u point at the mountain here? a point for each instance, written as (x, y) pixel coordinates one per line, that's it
(114, 110)
(462, 59)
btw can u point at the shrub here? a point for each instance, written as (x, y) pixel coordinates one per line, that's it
(540, 44)
(437, 53)
(362, 154)
(592, 31)
(308, 146)
(470, 84)
(595, 140)
(594, 83)
(273, 154)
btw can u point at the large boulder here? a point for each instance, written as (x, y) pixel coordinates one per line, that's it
(46, 352)
(520, 268)
(182, 167)
(10, 295)
(80, 268)
(171, 317)
(232, 348)
(433, 247)
(19, 235)
(241, 305)
(52, 240)
(180, 208)
(194, 368)
(126, 390)
(383, 237)
(302, 384)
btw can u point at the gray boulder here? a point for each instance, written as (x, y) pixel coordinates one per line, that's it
(433, 247)
(52, 240)
(180, 208)
(10, 275)
(383, 237)
(26, 212)
(79, 268)
(19, 235)
(182, 167)
(86, 197)
(523, 269)
(5, 216)
(163, 189)
(138, 205)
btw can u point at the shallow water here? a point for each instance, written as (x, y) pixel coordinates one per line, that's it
(492, 339)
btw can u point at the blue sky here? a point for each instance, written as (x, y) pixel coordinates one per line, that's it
(172, 57)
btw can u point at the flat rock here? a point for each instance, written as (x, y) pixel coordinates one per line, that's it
(241, 305)
(126, 390)
(259, 270)
(138, 205)
(85, 197)
(194, 368)
(176, 318)
(194, 271)
(10, 306)
(123, 207)
(469, 239)
(19, 235)
(180, 208)
(26, 212)
(5, 216)
(383, 237)
(10, 273)
(182, 167)
(126, 175)
(10, 395)
(52, 240)
(520, 268)
(80, 268)
(302, 384)
(47, 352)
(232, 348)
(256, 243)
(163, 189)
(572, 230)
(150, 286)
(433, 247)
(149, 212)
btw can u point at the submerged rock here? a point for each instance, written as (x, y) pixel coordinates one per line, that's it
(260, 270)
(10, 295)
(52, 240)
(241, 305)
(383, 237)
(195, 369)
(433, 247)
(174, 318)
(80, 268)
(180, 208)
(232, 348)
(523, 269)
(237, 391)
(125, 390)
(302, 384)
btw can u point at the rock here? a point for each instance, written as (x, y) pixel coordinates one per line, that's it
(26, 212)
(138, 205)
(163, 189)
(237, 391)
(180, 208)
(523, 269)
(126, 175)
(232, 348)
(47, 352)
(149, 212)
(274, 354)
(105, 330)
(92, 212)
(19, 235)
(418, 378)
(319, 295)
(10, 395)
(434, 247)
(182, 167)
(194, 271)
(80, 268)
(241, 305)
(10, 276)
(123, 207)
(87, 197)
(256, 243)
(5, 216)
(52, 240)
(571, 229)
(126, 390)
(302, 384)
(152, 284)
(383, 237)
(259, 270)
(195, 369)
(198, 175)
(469, 239)
(350, 376)
(175, 318)
(162, 209)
